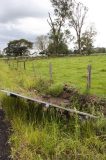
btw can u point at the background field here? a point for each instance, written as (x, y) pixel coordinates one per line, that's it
(66, 70)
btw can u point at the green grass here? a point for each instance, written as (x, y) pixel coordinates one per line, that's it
(67, 70)
(42, 134)
(39, 135)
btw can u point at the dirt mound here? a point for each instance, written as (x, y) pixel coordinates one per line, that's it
(71, 97)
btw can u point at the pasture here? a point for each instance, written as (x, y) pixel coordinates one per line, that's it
(65, 70)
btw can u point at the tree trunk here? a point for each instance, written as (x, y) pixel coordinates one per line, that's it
(79, 44)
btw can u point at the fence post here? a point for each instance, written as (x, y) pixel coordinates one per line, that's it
(50, 71)
(9, 64)
(17, 64)
(24, 65)
(13, 64)
(89, 68)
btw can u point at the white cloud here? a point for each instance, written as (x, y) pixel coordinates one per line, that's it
(23, 19)
(33, 25)
(28, 18)
(15, 9)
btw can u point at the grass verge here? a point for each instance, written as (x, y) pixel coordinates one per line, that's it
(39, 133)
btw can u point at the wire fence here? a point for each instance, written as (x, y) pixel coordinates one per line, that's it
(83, 75)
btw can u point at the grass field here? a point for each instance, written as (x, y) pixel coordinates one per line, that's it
(41, 134)
(69, 70)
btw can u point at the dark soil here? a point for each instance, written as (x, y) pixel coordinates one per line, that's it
(4, 135)
(84, 102)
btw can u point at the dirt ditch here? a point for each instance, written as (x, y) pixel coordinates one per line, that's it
(4, 135)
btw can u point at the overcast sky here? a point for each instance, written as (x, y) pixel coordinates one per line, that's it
(28, 18)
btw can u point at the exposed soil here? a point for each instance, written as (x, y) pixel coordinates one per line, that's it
(70, 98)
(4, 135)
(70, 95)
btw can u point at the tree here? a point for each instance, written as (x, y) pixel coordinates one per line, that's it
(100, 50)
(76, 20)
(87, 40)
(1, 54)
(62, 48)
(42, 43)
(18, 48)
(61, 12)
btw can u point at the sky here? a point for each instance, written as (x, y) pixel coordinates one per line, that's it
(28, 19)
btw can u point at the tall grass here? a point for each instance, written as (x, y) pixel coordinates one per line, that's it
(41, 133)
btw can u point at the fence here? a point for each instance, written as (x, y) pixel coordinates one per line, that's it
(52, 73)
(16, 65)
(88, 82)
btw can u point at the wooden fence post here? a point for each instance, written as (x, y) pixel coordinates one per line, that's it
(17, 64)
(9, 64)
(89, 68)
(50, 71)
(13, 64)
(24, 65)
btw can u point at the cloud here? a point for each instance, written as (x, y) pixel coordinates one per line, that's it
(27, 28)
(23, 19)
(28, 18)
(7, 34)
(11, 10)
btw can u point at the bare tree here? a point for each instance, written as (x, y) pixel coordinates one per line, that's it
(42, 42)
(76, 20)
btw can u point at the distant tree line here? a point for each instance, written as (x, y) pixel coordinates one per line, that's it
(99, 50)
(69, 15)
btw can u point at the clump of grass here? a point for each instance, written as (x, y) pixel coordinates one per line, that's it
(47, 87)
(49, 142)
(41, 85)
(55, 90)
(103, 70)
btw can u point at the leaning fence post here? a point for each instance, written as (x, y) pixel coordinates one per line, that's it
(50, 71)
(89, 68)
